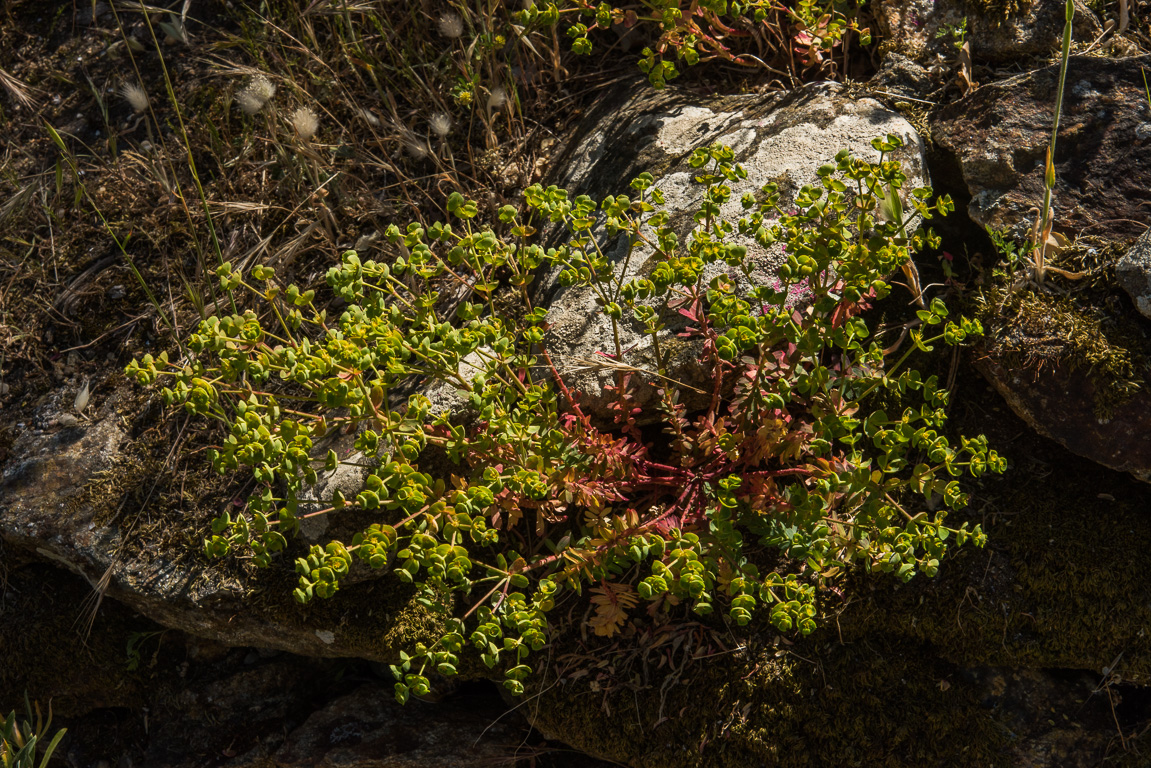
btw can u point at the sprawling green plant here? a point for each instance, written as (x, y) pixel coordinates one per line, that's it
(782, 450)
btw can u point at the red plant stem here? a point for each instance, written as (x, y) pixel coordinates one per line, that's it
(482, 600)
(562, 385)
(709, 333)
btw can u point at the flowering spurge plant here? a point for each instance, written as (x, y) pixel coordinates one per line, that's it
(778, 482)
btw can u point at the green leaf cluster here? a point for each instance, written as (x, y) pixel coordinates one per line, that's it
(758, 500)
(21, 741)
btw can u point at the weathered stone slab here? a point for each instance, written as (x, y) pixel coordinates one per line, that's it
(999, 135)
(368, 729)
(1134, 273)
(782, 139)
(73, 487)
(1060, 404)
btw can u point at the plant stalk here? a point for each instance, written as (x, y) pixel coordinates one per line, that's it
(1043, 230)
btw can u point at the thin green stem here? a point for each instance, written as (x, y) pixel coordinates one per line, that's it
(1045, 213)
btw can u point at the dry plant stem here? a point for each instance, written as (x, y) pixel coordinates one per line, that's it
(18, 90)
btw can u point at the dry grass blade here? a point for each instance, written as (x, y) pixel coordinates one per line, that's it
(225, 207)
(78, 287)
(147, 169)
(22, 198)
(20, 92)
(91, 606)
(1044, 240)
(286, 254)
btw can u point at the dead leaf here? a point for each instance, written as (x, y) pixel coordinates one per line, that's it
(965, 68)
(612, 603)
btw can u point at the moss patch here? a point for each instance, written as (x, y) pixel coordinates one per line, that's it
(1091, 328)
(818, 703)
(999, 10)
(127, 481)
(1062, 584)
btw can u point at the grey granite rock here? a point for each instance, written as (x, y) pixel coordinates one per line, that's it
(1134, 273)
(782, 139)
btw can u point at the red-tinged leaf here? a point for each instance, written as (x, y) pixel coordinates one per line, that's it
(612, 603)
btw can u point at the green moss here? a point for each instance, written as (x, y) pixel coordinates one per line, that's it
(817, 703)
(674, 348)
(112, 490)
(999, 10)
(1085, 330)
(1062, 584)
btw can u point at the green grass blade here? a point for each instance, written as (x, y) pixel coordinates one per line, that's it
(52, 747)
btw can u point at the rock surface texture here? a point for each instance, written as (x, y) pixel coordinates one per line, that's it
(74, 491)
(368, 729)
(999, 33)
(1134, 273)
(999, 134)
(782, 139)
(902, 77)
(1060, 404)
(1052, 359)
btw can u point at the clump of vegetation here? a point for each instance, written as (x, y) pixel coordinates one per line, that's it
(1079, 330)
(22, 741)
(294, 131)
(782, 482)
(699, 31)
